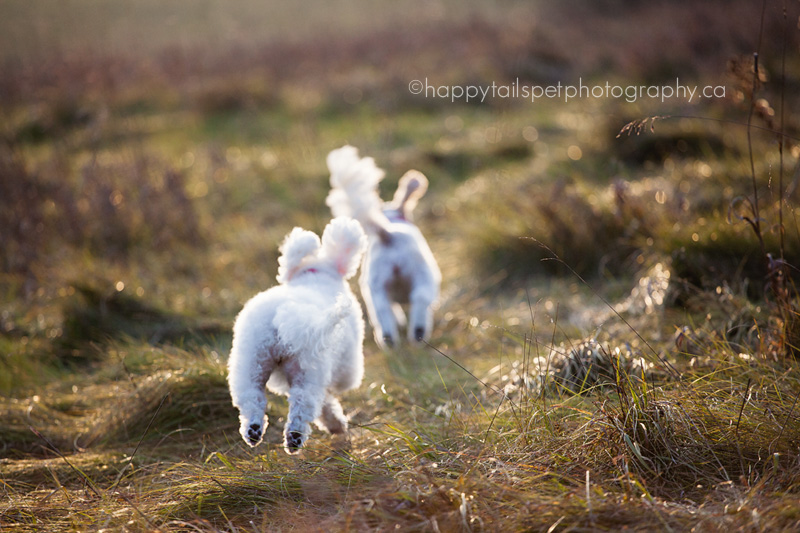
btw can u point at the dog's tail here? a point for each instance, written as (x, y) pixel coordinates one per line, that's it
(298, 245)
(343, 242)
(354, 190)
(412, 186)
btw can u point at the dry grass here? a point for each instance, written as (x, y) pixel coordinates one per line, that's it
(142, 199)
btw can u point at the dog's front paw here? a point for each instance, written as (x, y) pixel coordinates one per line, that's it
(294, 441)
(419, 334)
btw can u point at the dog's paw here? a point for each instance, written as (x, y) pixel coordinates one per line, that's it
(388, 341)
(294, 441)
(419, 334)
(254, 434)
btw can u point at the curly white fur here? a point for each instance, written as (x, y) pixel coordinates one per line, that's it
(302, 338)
(398, 267)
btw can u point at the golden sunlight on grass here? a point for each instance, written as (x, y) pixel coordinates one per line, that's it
(616, 342)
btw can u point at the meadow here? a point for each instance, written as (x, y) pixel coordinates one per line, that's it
(617, 339)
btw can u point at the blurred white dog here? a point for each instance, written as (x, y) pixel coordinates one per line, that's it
(302, 338)
(398, 267)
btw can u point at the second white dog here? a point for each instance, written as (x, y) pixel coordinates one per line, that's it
(398, 267)
(302, 338)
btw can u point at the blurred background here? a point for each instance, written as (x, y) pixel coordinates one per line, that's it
(159, 152)
(153, 155)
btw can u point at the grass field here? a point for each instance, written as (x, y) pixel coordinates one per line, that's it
(613, 349)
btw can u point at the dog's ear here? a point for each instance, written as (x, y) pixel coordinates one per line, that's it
(298, 245)
(410, 189)
(343, 242)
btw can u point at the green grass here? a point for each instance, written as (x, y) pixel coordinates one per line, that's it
(146, 186)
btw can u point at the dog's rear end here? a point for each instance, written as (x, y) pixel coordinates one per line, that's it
(399, 266)
(302, 338)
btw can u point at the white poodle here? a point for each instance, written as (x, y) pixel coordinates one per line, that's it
(398, 267)
(302, 338)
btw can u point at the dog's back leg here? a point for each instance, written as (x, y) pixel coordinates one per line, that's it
(247, 385)
(381, 314)
(306, 397)
(420, 315)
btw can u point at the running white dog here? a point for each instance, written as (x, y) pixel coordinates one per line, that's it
(302, 338)
(398, 267)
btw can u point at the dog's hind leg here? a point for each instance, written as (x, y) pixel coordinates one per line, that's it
(306, 397)
(420, 322)
(249, 396)
(332, 418)
(381, 316)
